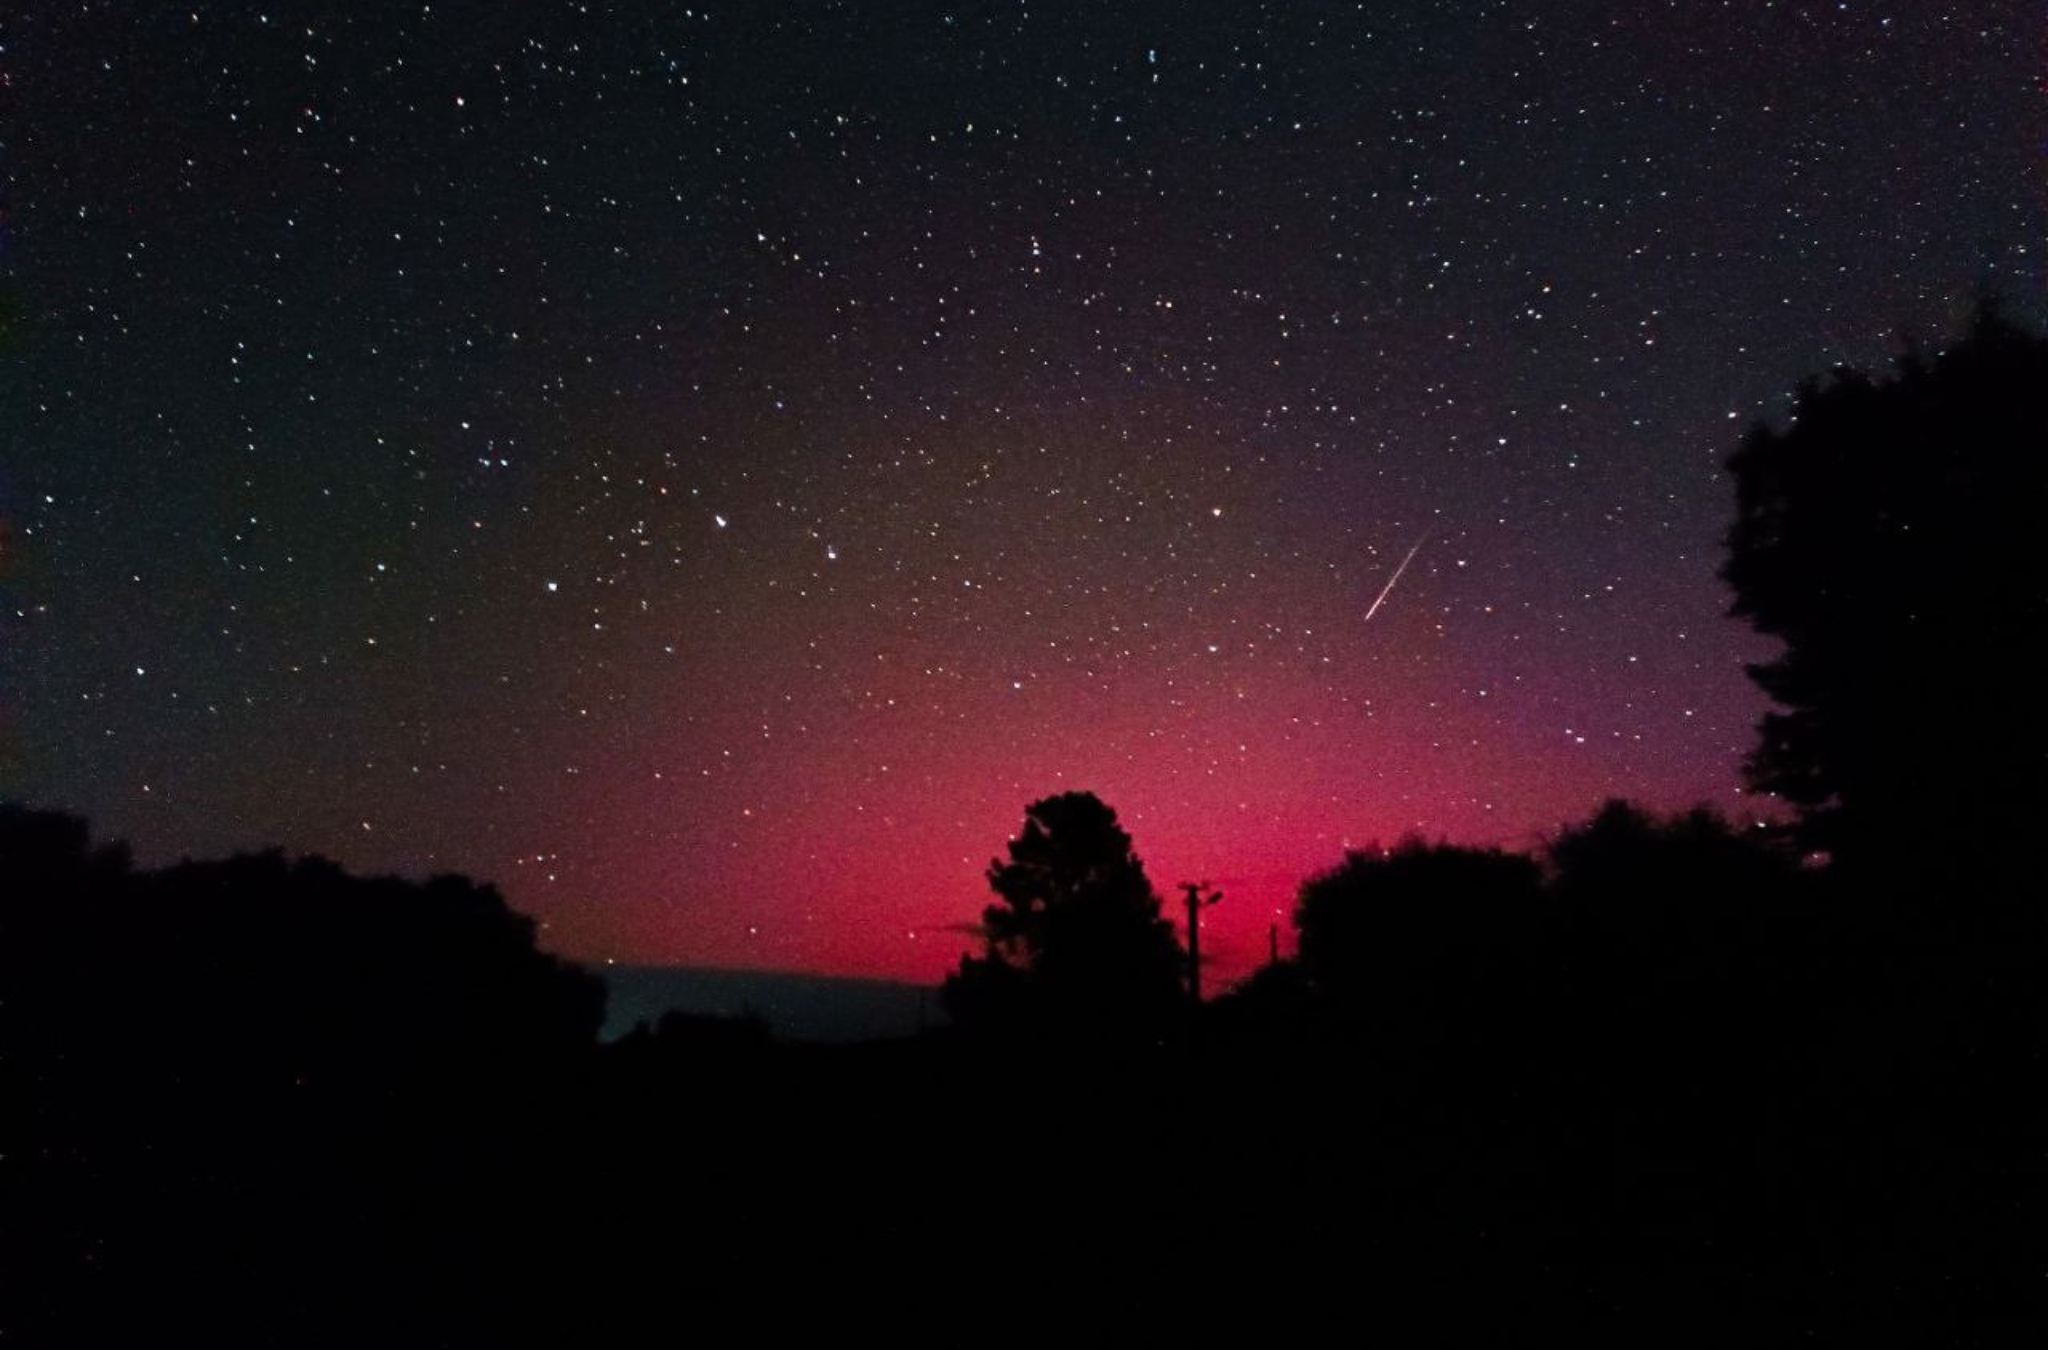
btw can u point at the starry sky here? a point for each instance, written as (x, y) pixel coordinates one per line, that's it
(705, 470)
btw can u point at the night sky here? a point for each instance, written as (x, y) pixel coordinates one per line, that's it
(706, 471)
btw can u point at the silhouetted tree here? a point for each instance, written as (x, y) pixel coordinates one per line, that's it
(268, 1090)
(1077, 941)
(1415, 937)
(1889, 535)
(1687, 883)
(1683, 920)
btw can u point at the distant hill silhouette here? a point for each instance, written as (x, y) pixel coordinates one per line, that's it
(820, 1009)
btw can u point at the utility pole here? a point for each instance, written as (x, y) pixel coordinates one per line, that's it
(1196, 902)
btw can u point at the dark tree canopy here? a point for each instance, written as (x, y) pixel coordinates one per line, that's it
(1387, 929)
(1626, 858)
(1076, 939)
(1653, 903)
(261, 964)
(1890, 536)
(263, 1093)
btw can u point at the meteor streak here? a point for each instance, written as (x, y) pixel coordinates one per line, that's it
(1388, 589)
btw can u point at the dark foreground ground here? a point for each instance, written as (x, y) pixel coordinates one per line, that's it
(264, 1103)
(924, 1193)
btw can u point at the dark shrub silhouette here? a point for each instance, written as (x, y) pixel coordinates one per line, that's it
(1274, 1004)
(1889, 535)
(1076, 944)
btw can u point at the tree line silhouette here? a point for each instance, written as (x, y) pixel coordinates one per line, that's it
(1666, 1075)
